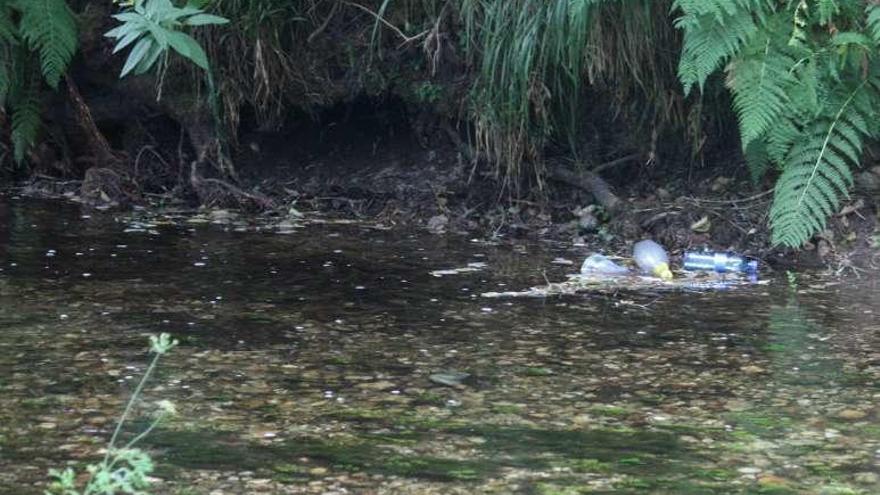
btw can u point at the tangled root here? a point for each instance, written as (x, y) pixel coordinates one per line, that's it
(105, 186)
(216, 193)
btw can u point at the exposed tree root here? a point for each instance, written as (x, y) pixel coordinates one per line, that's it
(218, 193)
(591, 183)
(93, 145)
(103, 186)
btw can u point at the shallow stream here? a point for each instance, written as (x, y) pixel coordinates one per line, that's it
(328, 359)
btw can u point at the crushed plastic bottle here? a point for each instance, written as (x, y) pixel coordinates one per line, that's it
(597, 263)
(652, 258)
(719, 263)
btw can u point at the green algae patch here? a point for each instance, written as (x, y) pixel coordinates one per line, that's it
(296, 458)
(610, 411)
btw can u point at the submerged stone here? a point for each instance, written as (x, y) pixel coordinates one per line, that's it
(449, 378)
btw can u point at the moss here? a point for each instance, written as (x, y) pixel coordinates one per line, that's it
(537, 371)
(585, 465)
(634, 484)
(506, 409)
(612, 411)
(836, 489)
(338, 361)
(557, 489)
(211, 450)
(715, 474)
(361, 414)
(773, 489)
(429, 398)
(759, 423)
(822, 470)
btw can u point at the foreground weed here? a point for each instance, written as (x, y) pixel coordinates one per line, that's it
(124, 470)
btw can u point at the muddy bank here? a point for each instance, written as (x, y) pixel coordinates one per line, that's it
(360, 163)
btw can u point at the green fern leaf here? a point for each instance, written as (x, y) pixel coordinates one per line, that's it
(760, 82)
(714, 31)
(873, 11)
(8, 31)
(49, 28)
(5, 82)
(818, 172)
(827, 10)
(757, 159)
(799, 25)
(26, 110)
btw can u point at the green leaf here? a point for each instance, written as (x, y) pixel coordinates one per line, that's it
(189, 48)
(150, 59)
(137, 54)
(126, 40)
(845, 38)
(205, 19)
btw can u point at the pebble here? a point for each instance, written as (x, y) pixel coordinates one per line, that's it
(752, 369)
(867, 478)
(772, 480)
(380, 385)
(749, 470)
(852, 414)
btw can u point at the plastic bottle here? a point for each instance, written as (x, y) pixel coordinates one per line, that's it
(597, 263)
(719, 262)
(652, 258)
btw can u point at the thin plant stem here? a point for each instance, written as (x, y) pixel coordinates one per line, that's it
(129, 406)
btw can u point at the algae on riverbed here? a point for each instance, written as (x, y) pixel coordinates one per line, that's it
(291, 379)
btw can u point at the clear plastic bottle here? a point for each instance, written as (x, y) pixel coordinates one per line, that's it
(652, 258)
(600, 264)
(719, 262)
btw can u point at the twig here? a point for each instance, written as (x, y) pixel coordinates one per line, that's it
(406, 39)
(726, 201)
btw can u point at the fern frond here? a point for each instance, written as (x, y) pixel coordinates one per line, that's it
(26, 111)
(757, 159)
(799, 25)
(818, 172)
(8, 31)
(873, 21)
(827, 9)
(714, 31)
(760, 82)
(5, 82)
(49, 28)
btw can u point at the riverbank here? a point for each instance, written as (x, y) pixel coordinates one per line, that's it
(356, 171)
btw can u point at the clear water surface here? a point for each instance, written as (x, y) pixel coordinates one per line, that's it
(309, 361)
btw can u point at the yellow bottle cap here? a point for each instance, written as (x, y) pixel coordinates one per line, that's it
(662, 270)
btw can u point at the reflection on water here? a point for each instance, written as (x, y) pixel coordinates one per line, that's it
(306, 365)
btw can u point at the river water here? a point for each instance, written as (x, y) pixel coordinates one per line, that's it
(328, 359)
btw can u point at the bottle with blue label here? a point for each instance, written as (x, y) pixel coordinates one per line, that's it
(719, 262)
